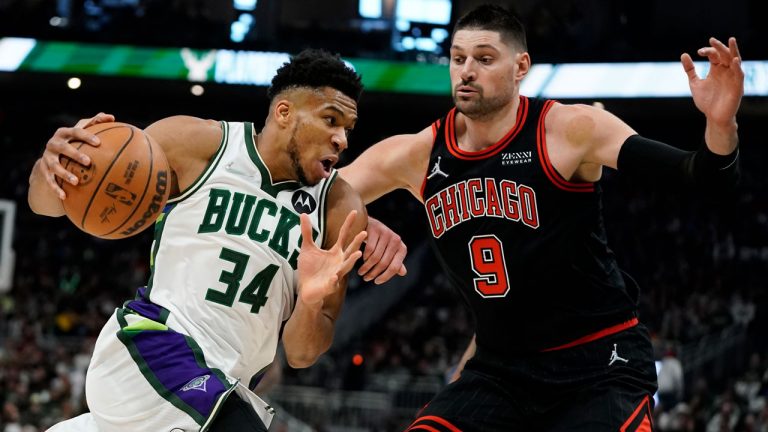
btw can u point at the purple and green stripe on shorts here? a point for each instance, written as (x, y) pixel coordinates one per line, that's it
(174, 365)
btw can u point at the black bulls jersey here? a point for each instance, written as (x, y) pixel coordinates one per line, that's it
(526, 248)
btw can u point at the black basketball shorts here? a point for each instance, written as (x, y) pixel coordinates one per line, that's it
(603, 385)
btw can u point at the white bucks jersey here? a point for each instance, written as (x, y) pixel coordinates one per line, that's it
(226, 251)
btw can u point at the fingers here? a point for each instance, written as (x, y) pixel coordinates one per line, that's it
(734, 48)
(356, 242)
(711, 54)
(688, 67)
(50, 178)
(98, 118)
(720, 54)
(385, 261)
(389, 264)
(344, 231)
(384, 254)
(60, 144)
(352, 253)
(374, 250)
(396, 267)
(306, 231)
(53, 164)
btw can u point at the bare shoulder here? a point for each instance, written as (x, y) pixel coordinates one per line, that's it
(185, 135)
(571, 120)
(581, 124)
(342, 199)
(188, 143)
(593, 135)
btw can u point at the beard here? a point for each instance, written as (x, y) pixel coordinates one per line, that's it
(481, 107)
(293, 152)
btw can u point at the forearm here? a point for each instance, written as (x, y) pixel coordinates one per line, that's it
(370, 187)
(307, 335)
(41, 198)
(703, 169)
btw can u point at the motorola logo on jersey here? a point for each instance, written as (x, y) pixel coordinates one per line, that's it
(303, 202)
(475, 198)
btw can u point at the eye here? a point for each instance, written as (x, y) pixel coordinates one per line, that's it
(331, 120)
(486, 60)
(458, 59)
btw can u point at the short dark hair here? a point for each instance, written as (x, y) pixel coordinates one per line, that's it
(316, 68)
(494, 18)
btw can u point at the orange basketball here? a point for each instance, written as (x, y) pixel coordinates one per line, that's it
(124, 189)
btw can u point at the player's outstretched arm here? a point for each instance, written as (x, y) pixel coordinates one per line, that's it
(45, 195)
(322, 275)
(714, 167)
(398, 162)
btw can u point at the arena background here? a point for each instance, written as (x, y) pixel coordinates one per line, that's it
(700, 260)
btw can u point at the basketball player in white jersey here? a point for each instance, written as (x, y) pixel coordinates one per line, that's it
(236, 260)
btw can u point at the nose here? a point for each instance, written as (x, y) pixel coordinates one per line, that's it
(467, 72)
(339, 140)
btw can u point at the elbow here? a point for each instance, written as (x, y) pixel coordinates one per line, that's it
(303, 356)
(300, 361)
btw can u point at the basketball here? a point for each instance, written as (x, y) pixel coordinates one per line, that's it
(124, 189)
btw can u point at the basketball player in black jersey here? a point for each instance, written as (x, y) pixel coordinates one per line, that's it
(510, 189)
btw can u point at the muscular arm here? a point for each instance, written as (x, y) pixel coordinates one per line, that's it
(398, 162)
(585, 139)
(309, 331)
(582, 139)
(187, 142)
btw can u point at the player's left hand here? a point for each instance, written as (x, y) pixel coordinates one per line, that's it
(320, 270)
(383, 255)
(719, 94)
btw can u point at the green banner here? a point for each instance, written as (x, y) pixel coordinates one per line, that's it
(220, 66)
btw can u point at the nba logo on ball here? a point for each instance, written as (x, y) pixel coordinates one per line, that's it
(303, 202)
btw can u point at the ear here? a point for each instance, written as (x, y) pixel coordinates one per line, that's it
(283, 113)
(523, 62)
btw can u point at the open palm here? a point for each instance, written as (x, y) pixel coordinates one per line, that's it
(719, 94)
(319, 269)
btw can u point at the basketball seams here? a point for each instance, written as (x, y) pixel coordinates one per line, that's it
(106, 172)
(121, 201)
(146, 185)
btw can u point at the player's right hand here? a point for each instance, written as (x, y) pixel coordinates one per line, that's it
(319, 270)
(49, 165)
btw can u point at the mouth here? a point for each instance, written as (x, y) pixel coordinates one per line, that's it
(465, 90)
(328, 163)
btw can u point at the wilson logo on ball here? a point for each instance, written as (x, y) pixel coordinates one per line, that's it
(158, 200)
